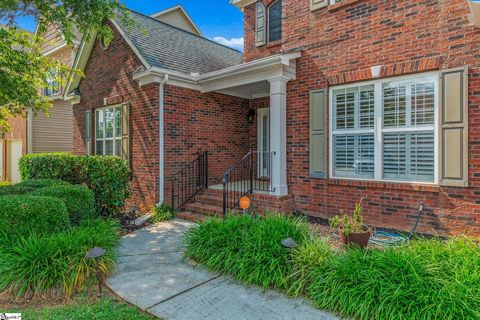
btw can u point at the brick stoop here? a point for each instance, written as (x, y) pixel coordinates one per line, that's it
(210, 204)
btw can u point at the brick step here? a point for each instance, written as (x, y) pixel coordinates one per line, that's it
(210, 199)
(189, 216)
(205, 209)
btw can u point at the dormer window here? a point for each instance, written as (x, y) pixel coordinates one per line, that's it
(268, 23)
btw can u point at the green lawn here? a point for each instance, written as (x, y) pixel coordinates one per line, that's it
(82, 308)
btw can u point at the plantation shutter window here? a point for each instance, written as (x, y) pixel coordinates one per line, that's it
(108, 131)
(88, 132)
(386, 130)
(318, 135)
(317, 4)
(454, 128)
(260, 25)
(275, 21)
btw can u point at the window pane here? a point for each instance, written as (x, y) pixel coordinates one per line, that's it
(109, 147)
(367, 106)
(118, 147)
(100, 124)
(109, 123)
(344, 101)
(99, 147)
(354, 156)
(118, 122)
(275, 21)
(423, 103)
(409, 156)
(422, 156)
(394, 105)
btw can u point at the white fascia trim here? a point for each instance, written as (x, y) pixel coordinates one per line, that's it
(240, 4)
(56, 49)
(475, 8)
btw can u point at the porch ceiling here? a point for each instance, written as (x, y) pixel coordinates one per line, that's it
(251, 90)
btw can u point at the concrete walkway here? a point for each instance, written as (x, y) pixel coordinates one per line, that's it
(153, 276)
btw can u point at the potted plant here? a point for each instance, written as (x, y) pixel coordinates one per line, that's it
(351, 228)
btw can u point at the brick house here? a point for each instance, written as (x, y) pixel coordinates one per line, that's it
(331, 101)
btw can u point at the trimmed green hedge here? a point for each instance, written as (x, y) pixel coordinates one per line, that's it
(79, 200)
(22, 215)
(29, 186)
(108, 177)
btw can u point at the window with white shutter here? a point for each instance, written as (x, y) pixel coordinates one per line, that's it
(386, 130)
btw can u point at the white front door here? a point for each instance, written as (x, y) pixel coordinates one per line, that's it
(14, 153)
(263, 133)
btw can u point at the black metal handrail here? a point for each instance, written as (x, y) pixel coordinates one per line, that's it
(251, 173)
(189, 181)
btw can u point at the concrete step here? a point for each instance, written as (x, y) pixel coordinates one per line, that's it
(206, 209)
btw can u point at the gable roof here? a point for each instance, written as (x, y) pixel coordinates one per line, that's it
(178, 17)
(164, 46)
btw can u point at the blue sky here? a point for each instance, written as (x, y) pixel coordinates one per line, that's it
(217, 19)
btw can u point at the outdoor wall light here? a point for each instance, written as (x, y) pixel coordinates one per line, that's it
(250, 116)
(95, 254)
(289, 243)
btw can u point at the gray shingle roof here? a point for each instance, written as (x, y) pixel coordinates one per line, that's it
(168, 47)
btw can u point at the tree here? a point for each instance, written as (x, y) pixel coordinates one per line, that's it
(23, 68)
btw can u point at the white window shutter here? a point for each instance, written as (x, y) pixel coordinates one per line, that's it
(260, 25)
(125, 131)
(317, 4)
(454, 128)
(88, 132)
(318, 134)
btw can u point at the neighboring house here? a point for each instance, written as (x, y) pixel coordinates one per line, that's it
(53, 132)
(338, 99)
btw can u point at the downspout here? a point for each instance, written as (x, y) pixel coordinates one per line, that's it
(161, 141)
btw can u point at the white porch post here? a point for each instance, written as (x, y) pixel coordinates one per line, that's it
(278, 133)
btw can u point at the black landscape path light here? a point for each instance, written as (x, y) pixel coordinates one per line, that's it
(95, 254)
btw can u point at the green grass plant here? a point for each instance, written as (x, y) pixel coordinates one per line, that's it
(162, 212)
(56, 263)
(247, 247)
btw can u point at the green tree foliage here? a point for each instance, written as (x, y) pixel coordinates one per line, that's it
(23, 68)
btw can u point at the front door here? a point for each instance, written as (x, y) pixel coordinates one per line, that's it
(263, 132)
(14, 153)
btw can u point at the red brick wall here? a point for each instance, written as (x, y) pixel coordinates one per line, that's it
(340, 46)
(108, 75)
(196, 122)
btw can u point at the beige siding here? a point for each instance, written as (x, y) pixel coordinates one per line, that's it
(54, 133)
(177, 19)
(52, 38)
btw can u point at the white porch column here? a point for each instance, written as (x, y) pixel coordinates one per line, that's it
(278, 133)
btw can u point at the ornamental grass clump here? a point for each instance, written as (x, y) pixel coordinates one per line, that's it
(426, 279)
(247, 247)
(56, 263)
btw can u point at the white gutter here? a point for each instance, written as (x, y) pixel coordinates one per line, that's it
(29, 131)
(161, 142)
(475, 8)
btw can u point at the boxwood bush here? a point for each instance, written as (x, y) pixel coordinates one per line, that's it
(108, 177)
(27, 186)
(22, 215)
(56, 262)
(79, 200)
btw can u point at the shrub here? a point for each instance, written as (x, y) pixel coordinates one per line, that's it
(163, 212)
(57, 262)
(21, 215)
(4, 183)
(247, 247)
(79, 200)
(107, 177)
(29, 185)
(426, 279)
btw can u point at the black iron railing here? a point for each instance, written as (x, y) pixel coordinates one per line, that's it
(251, 173)
(189, 181)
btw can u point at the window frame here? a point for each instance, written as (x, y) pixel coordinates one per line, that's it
(114, 137)
(53, 88)
(379, 129)
(267, 19)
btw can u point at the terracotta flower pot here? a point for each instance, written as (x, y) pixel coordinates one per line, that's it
(359, 239)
